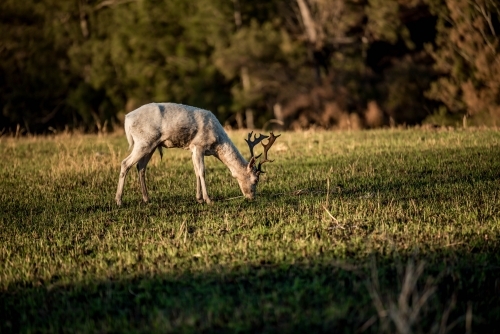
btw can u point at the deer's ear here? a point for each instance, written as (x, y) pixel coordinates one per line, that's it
(251, 164)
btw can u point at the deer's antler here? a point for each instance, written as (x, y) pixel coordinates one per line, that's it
(272, 139)
(256, 140)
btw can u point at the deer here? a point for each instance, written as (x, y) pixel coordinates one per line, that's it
(171, 125)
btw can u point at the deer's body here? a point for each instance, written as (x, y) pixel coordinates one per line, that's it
(171, 125)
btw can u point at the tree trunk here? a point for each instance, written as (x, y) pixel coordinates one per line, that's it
(245, 77)
(84, 26)
(309, 25)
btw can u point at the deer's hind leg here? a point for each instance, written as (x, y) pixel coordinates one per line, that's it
(141, 169)
(138, 152)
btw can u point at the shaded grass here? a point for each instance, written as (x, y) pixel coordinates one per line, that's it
(71, 260)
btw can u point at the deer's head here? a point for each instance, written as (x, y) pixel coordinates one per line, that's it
(248, 183)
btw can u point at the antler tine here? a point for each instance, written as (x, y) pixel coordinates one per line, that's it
(272, 139)
(256, 140)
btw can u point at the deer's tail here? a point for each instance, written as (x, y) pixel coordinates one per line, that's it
(130, 138)
(128, 133)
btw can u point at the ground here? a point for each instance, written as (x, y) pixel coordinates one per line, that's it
(376, 231)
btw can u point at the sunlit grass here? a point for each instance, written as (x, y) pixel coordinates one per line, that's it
(294, 259)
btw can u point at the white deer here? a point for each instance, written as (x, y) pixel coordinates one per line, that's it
(158, 125)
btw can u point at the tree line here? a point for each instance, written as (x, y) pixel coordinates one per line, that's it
(83, 64)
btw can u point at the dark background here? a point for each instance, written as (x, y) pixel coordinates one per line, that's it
(82, 64)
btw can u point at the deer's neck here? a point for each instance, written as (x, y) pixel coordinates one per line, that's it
(232, 158)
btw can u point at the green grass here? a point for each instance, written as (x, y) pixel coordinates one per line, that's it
(70, 260)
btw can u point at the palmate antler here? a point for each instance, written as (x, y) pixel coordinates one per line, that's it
(251, 145)
(272, 139)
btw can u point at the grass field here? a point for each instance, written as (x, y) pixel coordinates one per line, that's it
(370, 231)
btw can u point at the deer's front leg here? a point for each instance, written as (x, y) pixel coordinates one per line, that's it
(199, 195)
(199, 169)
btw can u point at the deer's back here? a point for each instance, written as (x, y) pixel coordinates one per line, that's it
(174, 125)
